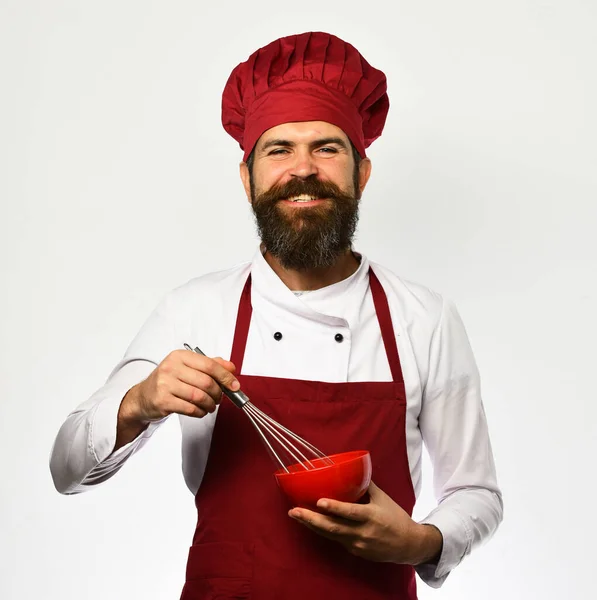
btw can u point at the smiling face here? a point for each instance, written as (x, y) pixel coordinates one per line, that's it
(304, 186)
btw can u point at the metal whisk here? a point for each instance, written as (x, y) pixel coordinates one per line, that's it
(274, 434)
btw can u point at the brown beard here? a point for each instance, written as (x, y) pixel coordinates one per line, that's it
(311, 237)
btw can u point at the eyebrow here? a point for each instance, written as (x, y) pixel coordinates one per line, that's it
(315, 144)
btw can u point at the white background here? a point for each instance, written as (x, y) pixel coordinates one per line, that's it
(119, 183)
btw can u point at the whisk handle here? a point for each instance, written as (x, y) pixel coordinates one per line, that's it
(238, 398)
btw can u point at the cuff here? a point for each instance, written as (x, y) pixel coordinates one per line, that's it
(457, 541)
(102, 433)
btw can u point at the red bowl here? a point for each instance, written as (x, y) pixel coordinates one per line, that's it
(345, 480)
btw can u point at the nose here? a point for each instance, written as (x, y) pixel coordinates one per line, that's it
(304, 164)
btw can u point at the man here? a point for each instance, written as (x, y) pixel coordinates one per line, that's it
(338, 349)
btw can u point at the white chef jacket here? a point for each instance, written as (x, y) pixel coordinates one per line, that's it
(444, 406)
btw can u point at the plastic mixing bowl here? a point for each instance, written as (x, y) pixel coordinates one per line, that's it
(345, 480)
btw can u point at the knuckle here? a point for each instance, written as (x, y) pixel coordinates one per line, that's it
(365, 537)
(203, 400)
(166, 367)
(172, 358)
(161, 384)
(195, 395)
(188, 410)
(204, 381)
(202, 397)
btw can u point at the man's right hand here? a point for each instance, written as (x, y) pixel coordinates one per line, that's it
(184, 383)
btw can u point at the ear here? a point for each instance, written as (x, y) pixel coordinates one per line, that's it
(246, 179)
(364, 173)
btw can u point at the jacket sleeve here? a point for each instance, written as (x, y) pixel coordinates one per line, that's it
(81, 456)
(455, 432)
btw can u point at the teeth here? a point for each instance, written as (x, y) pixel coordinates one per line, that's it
(302, 198)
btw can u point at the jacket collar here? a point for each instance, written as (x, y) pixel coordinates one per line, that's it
(269, 293)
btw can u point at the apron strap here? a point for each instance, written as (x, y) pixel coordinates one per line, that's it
(380, 301)
(382, 308)
(241, 332)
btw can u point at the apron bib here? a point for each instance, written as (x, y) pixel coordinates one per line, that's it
(245, 545)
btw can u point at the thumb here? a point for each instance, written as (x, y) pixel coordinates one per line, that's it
(375, 492)
(377, 495)
(384, 502)
(229, 366)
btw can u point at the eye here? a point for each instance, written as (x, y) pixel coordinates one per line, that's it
(327, 150)
(278, 151)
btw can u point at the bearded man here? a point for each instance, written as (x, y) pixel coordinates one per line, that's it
(338, 349)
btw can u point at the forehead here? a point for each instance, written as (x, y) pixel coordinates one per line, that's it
(303, 132)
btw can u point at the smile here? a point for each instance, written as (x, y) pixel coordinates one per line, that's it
(302, 199)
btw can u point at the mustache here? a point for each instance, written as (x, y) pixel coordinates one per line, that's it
(310, 186)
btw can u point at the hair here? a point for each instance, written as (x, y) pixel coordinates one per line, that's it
(355, 154)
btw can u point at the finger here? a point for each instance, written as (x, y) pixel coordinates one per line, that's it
(329, 527)
(193, 395)
(201, 381)
(229, 366)
(334, 538)
(347, 510)
(182, 407)
(211, 367)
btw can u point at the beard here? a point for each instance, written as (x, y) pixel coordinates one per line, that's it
(310, 237)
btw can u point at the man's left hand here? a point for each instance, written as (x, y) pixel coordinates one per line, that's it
(380, 531)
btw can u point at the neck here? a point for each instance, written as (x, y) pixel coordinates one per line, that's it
(314, 279)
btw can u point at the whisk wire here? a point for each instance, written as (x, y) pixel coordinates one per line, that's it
(264, 424)
(293, 435)
(269, 426)
(266, 441)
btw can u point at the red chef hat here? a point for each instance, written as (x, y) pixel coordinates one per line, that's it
(307, 77)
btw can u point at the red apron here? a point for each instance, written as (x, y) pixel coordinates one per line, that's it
(245, 544)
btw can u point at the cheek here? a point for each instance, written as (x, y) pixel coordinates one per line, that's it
(265, 179)
(339, 175)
